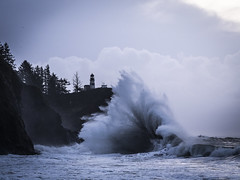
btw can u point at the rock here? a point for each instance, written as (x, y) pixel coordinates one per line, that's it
(13, 137)
(72, 107)
(43, 124)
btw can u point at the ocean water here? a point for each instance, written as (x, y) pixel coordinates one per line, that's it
(77, 162)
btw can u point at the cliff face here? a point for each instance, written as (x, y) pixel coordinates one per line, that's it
(43, 124)
(13, 137)
(25, 114)
(72, 107)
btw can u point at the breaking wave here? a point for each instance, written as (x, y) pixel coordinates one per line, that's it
(134, 121)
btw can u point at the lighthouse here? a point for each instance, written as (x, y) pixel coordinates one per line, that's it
(92, 82)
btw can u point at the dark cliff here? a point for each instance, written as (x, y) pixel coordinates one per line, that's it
(72, 107)
(13, 137)
(43, 124)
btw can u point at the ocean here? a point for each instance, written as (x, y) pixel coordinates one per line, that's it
(77, 162)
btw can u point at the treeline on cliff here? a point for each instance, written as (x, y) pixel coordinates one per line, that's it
(48, 112)
(46, 81)
(42, 78)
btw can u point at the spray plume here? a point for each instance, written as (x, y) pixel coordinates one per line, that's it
(133, 121)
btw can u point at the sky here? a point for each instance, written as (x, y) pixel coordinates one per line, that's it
(187, 49)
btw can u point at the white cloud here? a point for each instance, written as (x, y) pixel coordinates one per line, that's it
(203, 92)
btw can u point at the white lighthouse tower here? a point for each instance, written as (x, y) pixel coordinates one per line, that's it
(92, 82)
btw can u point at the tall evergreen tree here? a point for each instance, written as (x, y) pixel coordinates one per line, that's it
(62, 85)
(46, 78)
(38, 77)
(25, 72)
(6, 55)
(52, 85)
(41, 78)
(77, 84)
(57, 86)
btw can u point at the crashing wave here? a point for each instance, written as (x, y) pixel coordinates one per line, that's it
(136, 120)
(133, 121)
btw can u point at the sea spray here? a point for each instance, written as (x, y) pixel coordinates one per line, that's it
(134, 121)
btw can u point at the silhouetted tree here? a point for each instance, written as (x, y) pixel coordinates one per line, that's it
(38, 77)
(25, 72)
(46, 78)
(62, 86)
(6, 55)
(31, 76)
(57, 86)
(77, 84)
(52, 85)
(41, 78)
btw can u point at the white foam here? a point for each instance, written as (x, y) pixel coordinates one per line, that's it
(132, 119)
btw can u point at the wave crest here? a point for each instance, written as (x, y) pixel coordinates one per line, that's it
(133, 122)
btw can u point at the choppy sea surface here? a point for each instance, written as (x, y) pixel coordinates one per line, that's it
(76, 162)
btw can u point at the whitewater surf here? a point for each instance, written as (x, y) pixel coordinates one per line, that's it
(136, 121)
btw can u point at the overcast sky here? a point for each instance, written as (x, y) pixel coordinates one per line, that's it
(38, 30)
(188, 49)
